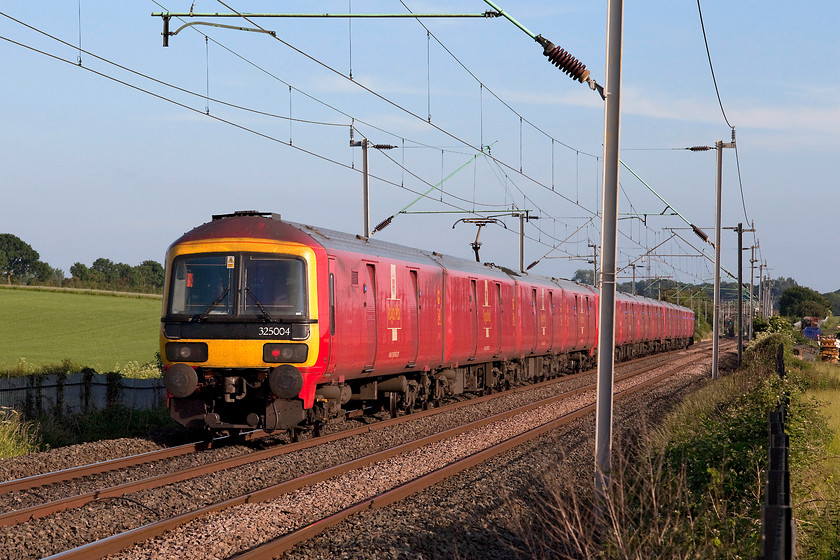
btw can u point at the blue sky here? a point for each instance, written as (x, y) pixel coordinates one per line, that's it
(95, 168)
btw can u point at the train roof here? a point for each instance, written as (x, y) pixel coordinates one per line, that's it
(251, 223)
(332, 239)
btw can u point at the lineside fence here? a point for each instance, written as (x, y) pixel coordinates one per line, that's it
(81, 392)
(778, 531)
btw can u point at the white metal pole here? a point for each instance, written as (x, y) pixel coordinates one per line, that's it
(752, 289)
(716, 309)
(609, 228)
(521, 242)
(365, 189)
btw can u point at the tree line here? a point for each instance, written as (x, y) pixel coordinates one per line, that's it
(22, 265)
(793, 300)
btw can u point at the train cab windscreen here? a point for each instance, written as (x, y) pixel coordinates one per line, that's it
(273, 286)
(244, 285)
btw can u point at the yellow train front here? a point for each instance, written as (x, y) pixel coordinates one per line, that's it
(240, 339)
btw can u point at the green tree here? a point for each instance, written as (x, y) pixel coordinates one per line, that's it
(17, 259)
(80, 273)
(584, 277)
(105, 272)
(148, 275)
(799, 301)
(834, 299)
(47, 275)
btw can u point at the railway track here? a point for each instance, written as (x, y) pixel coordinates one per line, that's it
(32, 482)
(44, 479)
(305, 482)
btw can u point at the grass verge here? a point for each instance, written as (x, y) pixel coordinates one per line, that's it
(110, 423)
(693, 488)
(19, 436)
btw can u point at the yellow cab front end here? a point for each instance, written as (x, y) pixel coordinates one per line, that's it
(239, 333)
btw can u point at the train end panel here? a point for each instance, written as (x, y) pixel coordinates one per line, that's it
(241, 333)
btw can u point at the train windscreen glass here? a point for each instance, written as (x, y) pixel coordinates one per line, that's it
(273, 287)
(202, 285)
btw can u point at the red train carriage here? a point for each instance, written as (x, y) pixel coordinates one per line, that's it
(274, 325)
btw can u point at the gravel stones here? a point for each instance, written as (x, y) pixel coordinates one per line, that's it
(465, 516)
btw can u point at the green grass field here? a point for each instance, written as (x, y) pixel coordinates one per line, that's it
(97, 331)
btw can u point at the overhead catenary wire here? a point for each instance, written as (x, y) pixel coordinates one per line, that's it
(399, 107)
(491, 92)
(722, 110)
(440, 129)
(220, 119)
(206, 96)
(711, 66)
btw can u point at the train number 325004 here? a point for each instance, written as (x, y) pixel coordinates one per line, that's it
(275, 331)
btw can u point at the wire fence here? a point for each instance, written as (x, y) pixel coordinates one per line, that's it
(778, 531)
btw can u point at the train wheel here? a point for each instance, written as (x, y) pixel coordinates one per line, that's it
(294, 435)
(318, 429)
(393, 404)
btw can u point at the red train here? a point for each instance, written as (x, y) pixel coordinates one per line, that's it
(274, 325)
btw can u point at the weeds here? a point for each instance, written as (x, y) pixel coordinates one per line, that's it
(113, 422)
(17, 436)
(136, 370)
(693, 488)
(131, 369)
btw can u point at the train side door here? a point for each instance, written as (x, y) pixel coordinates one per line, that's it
(473, 318)
(331, 266)
(562, 335)
(498, 312)
(414, 316)
(552, 341)
(588, 338)
(536, 321)
(369, 289)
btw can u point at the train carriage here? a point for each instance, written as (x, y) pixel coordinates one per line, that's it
(275, 325)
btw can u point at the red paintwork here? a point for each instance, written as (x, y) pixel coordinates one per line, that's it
(399, 309)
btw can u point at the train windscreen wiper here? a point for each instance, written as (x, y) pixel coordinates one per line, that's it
(211, 307)
(259, 304)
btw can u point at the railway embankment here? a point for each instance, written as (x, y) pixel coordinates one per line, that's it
(689, 464)
(694, 486)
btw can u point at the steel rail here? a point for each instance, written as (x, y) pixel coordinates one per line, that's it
(35, 481)
(63, 475)
(115, 543)
(48, 508)
(38, 480)
(275, 547)
(43, 510)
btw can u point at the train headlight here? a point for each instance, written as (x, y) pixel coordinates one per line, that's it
(186, 351)
(180, 380)
(285, 381)
(285, 353)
